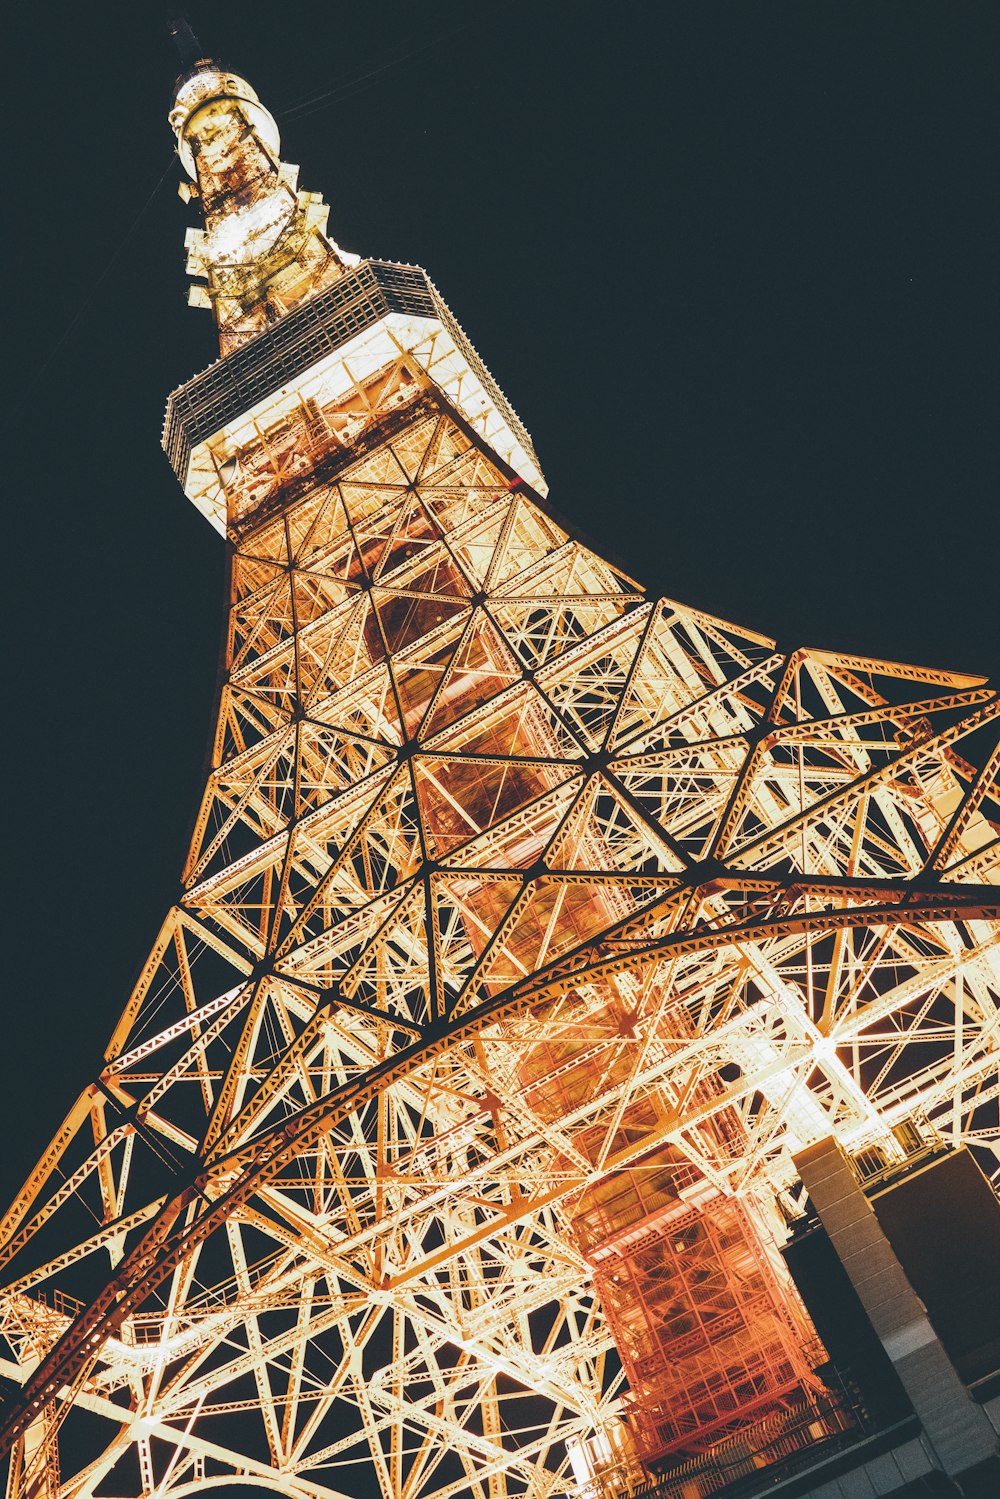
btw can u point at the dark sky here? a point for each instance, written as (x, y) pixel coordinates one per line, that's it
(734, 265)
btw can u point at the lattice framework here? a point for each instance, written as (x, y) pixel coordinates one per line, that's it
(528, 920)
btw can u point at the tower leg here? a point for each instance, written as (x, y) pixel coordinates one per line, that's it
(34, 1463)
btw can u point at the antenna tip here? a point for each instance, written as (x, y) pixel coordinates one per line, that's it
(187, 44)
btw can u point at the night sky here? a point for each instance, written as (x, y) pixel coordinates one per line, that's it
(733, 264)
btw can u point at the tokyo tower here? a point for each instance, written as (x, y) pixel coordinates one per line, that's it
(538, 937)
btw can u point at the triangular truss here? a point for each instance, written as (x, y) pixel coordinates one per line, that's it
(524, 915)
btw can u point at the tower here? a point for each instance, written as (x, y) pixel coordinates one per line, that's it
(530, 926)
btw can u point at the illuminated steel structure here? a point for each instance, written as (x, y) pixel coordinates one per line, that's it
(530, 926)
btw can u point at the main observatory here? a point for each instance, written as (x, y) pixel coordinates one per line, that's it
(568, 1066)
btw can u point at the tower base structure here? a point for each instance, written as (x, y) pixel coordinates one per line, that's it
(913, 1378)
(532, 927)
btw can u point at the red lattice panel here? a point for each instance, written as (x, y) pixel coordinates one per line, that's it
(706, 1335)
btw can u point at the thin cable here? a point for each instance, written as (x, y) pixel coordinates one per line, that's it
(294, 111)
(318, 101)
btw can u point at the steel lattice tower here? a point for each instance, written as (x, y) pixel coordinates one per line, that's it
(531, 926)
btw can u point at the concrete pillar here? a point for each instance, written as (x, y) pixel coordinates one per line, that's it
(958, 1429)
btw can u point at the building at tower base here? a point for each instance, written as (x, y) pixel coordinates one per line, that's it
(538, 939)
(897, 1265)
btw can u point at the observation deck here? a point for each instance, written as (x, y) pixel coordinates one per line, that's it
(318, 352)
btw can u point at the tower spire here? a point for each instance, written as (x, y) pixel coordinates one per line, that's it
(264, 248)
(187, 44)
(530, 926)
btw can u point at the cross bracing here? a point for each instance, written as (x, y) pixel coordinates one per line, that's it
(315, 1106)
(530, 925)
